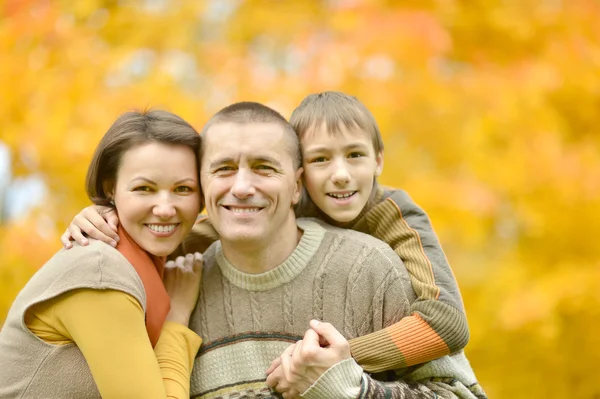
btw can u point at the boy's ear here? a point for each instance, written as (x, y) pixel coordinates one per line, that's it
(379, 161)
(299, 185)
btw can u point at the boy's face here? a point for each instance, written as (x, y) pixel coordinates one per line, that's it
(339, 170)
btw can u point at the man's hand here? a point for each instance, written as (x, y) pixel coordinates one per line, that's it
(301, 364)
(99, 222)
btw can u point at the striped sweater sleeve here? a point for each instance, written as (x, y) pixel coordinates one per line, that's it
(437, 324)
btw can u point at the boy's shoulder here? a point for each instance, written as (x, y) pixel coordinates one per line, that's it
(394, 200)
(352, 237)
(396, 195)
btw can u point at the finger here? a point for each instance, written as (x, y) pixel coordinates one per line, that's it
(102, 230)
(189, 262)
(273, 378)
(180, 261)
(274, 364)
(286, 365)
(76, 234)
(81, 224)
(307, 354)
(291, 394)
(198, 262)
(328, 332)
(111, 218)
(65, 239)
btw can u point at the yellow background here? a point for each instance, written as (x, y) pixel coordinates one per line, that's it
(489, 111)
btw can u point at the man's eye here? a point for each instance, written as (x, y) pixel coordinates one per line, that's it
(318, 159)
(356, 154)
(264, 167)
(224, 169)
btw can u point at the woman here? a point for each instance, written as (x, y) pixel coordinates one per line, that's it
(96, 321)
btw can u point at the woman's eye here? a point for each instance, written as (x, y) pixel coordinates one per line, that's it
(184, 189)
(143, 188)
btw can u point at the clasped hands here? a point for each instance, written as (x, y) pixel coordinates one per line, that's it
(303, 362)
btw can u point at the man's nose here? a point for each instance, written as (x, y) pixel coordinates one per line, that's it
(243, 185)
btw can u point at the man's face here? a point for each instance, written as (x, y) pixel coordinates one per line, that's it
(249, 182)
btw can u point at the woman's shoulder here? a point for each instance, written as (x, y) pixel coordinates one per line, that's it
(96, 265)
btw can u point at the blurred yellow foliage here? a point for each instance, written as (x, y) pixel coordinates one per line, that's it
(489, 109)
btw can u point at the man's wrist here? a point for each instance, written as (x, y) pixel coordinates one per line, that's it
(342, 380)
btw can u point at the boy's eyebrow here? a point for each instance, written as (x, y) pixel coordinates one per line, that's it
(320, 148)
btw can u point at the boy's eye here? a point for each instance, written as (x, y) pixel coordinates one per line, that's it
(356, 154)
(318, 159)
(224, 169)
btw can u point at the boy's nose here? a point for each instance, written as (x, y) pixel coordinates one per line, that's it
(341, 175)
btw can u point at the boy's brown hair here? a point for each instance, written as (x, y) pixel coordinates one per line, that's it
(335, 109)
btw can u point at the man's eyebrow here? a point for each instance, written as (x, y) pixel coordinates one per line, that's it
(220, 162)
(267, 159)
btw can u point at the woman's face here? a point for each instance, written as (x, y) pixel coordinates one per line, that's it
(157, 195)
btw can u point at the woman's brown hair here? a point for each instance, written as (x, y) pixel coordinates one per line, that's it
(129, 130)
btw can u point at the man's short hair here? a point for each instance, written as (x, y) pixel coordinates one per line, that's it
(252, 112)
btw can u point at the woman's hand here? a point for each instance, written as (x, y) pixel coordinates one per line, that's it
(99, 222)
(182, 280)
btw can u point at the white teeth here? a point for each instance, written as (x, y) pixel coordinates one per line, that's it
(341, 196)
(161, 228)
(243, 210)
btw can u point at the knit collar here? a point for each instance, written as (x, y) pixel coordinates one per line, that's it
(284, 273)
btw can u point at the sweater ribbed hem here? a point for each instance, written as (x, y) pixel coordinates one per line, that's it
(284, 273)
(341, 381)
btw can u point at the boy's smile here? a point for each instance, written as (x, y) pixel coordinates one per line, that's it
(339, 170)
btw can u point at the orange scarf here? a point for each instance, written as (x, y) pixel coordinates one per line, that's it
(150, 268)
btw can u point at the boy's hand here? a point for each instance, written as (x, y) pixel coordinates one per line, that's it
(99, 222)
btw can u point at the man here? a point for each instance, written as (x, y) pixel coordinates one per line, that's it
(271, 277)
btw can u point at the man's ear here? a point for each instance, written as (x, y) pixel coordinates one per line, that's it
(379, 160)
(299, 185)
